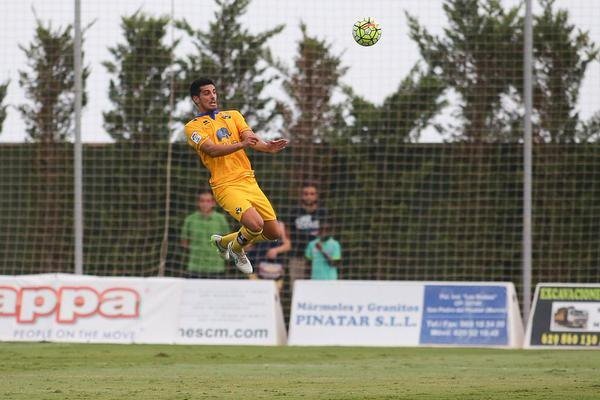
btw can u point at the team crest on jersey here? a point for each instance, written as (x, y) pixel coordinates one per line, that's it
(195, 137)
(223, 133)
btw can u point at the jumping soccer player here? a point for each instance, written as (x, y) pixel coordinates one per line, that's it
(219, 138)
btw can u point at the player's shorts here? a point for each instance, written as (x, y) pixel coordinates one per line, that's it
(236, 197)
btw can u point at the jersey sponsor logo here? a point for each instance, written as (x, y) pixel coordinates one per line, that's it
(223, 133)
(196, 137)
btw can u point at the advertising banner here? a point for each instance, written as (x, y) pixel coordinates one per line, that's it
(68, 308)
(356, 313)
(466, 315)
(564, 316)
(230, 312)
(395, 313)
(72, 308)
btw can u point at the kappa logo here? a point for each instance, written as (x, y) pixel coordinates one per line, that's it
(238, 210)
(206, 122)
(196, 137)
(223, 133)
(68, 303)
(225, 116)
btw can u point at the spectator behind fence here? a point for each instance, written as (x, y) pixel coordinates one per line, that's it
(304, 226)
(203, 261)
(325, 254)
(269, 258)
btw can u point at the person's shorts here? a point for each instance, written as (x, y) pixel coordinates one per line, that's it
(236, 197)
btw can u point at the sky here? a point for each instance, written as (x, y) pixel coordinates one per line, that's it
(374, 72)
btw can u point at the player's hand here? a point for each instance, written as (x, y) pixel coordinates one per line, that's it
(274, 146)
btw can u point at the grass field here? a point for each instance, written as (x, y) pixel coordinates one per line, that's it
(73, 371)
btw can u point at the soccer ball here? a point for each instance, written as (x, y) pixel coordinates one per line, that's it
(366, 32)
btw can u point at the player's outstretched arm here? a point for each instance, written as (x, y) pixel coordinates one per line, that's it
(272, 146)
(215, 150)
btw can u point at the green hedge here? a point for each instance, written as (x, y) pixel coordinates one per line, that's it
(409, 212)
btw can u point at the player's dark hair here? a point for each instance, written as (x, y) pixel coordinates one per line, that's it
(197, 84)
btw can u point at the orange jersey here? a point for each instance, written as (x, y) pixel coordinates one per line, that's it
(223, 127)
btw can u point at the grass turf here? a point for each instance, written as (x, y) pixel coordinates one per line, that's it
(76, 371)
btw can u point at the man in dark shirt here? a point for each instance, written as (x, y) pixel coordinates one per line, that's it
(303, 226)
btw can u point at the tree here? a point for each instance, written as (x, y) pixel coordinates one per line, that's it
(479, 56)
(140, 87)
(235, 59)
(375, 145)
(139, 91)
(49, 84)
(402, 115)
(3, 89)
(311, 117)
(562, 54)
(590, 130)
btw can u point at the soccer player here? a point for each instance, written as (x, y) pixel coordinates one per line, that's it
(220, 139)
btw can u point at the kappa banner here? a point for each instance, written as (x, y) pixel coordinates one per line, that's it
(73, 308)
(564, 316)
(388, 313)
